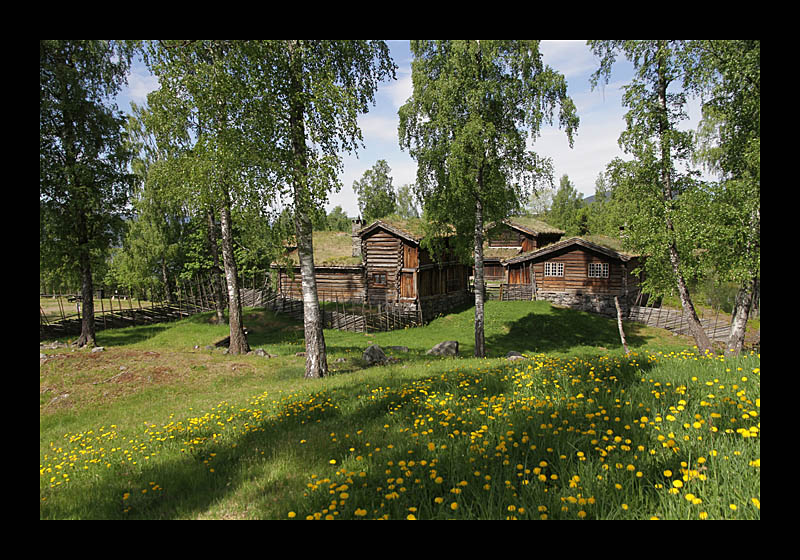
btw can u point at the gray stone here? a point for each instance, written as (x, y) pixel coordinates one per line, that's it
(374, 355)
(514, 355)
(98, 349)
(446, 348)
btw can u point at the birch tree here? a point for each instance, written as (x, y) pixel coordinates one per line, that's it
(727, 74)
(312, 93)
(205, 89)
(475, 105)
(656, 182)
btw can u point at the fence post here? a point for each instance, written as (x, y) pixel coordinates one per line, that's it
(102, 310)
(130, 305)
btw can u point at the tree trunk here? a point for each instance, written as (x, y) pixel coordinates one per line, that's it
(216, 277)
(238, 340)
(480, 286)
(699, 335)
(87, 337)
(619, 325)
(316, 353)
(741, 310)
(747, 291)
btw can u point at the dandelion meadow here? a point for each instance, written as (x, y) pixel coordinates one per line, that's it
(574, 433)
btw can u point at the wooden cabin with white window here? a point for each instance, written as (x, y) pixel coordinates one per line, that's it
(576, 273)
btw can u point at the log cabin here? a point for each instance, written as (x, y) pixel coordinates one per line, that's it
(399, 270)
(575, 273)
(382, 263)
(511, 237)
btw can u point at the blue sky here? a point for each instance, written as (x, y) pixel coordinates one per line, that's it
(600, 111)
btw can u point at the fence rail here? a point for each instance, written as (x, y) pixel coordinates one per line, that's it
(717, 326)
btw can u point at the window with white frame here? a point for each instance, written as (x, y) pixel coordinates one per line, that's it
(553, 269)
(598, 270)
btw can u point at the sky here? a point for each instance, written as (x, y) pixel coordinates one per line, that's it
(600, 111)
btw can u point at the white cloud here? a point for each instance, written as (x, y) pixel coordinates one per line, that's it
(399, 90)
(140, 83)
(570, 58)
(379, 128)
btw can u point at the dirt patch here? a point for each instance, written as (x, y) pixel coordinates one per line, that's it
(81, 378)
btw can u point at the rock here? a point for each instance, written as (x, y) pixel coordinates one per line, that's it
(398, 348)
(261, 352)
(446, 348)
(514, 355)
(300, 354)
(374, 355)
(340, 360)
(98, 349)
(60, 397)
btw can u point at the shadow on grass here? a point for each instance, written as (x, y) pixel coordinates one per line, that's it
(561, 329)
(263, 471)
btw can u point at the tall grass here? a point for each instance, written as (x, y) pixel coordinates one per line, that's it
(577, 430)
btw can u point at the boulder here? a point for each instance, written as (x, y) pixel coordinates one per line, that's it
(374, 355)
(514, 355)
(446, 348)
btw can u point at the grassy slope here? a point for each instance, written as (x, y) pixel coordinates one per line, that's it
(153, 428)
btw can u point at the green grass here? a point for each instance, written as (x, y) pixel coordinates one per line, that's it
(577, 430)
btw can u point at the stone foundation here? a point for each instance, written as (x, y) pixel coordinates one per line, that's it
(433, 306)
(602, 304)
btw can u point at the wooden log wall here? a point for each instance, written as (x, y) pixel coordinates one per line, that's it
(343, 283)
(383, 255)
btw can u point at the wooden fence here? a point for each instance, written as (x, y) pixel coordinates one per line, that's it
(70, 325)
(717, 325)
(349, 315)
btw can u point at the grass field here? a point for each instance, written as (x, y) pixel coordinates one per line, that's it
(154, 428)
